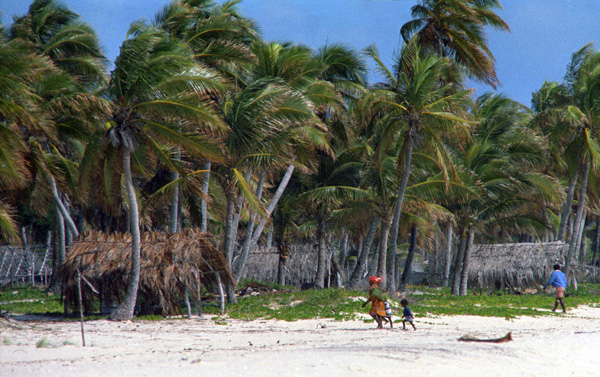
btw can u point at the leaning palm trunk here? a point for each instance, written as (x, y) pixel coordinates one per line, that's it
(384, 233)
(203, 206)
(59, 251)
(409, 259)
(564, 216)
(59, 204)
(364, 253)
(464, 279)
(125, 310)
(578, 216)
(228, 240)
(458, 262)
(238, 214)
(238, 268)
(409, 145)
(448, 261)
(246, 247)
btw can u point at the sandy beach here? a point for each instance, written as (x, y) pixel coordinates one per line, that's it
(559, 345)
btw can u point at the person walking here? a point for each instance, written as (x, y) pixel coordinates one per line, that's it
(559, 281)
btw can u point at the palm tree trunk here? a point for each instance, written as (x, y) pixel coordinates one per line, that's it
(59, 204)
(238, 213)
(322, 258)
(174, 220)
(364, 253)
(464, 279)
(596, 244)
(59, 252)
(566, 211)
(580, 248)
(228, 236)
(203, 206)
(578, 215)
(126, 309)
(278, 193)
(458, 263)
(409, 259)
(448, 261)
(238, 268)
(408, 152)
(343, 252)
(382, 271)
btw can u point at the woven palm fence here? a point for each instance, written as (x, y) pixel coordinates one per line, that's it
(171, 263)
(520, 265)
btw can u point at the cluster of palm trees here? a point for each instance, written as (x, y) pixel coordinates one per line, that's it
(203, 124)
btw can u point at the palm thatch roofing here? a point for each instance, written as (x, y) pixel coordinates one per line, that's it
(170, 264)
(515, 264)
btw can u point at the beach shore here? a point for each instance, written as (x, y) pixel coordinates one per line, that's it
(542, 346)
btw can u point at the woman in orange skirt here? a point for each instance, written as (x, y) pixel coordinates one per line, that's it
(377, 298)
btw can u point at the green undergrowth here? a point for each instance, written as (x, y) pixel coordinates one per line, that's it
(29, 300)
(270, 301)
(440, 302)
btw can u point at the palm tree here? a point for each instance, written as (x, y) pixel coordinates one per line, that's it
(219, 38)
(454, 28)
(58, 33)
(583, 81)
(156, 94)
(76, 66)
(19, 110)
(292, 67)
(415, 103)
(500, 170)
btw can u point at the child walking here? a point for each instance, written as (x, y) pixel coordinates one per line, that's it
(407, 315)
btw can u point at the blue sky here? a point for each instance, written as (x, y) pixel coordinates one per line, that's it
(544, 33)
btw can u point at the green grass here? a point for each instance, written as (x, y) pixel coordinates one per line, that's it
(290, 304)
(29, 300)
(43, 343)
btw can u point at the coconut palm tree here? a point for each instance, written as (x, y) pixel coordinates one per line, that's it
(454, 28)
(415, 103)
(501, 167)
(156, 94)
(583, 81)
(75, 66)
(19, 110)
(293, 67)
(58, 33)
(219, 38)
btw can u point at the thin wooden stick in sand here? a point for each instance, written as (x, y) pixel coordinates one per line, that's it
(504, 339)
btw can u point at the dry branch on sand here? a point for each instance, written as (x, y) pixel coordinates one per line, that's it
(170, 264)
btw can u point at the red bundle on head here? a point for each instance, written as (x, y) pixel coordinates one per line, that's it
(375, 280)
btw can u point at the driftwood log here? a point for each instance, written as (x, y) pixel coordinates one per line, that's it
(470, 338)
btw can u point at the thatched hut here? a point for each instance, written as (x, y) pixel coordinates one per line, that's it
(515, 264)
(171, 263)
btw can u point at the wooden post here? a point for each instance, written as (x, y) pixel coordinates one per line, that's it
(80, 306)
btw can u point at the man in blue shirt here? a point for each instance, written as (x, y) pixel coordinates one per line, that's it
(559, 281)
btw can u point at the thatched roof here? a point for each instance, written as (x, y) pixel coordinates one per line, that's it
(170, 263)
(514, 264)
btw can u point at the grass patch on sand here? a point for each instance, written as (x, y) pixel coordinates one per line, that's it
(270, 301)
(29, 300)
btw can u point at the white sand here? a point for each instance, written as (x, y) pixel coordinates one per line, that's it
(558, 345)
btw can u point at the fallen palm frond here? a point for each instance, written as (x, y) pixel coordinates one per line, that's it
(171, 263)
